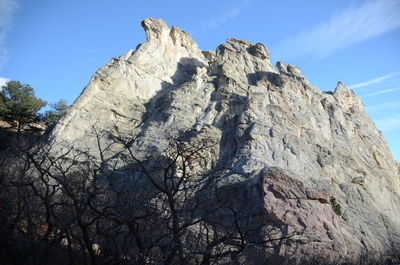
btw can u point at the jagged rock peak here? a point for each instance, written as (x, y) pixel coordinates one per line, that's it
(292, 71)
(170, 40)
(155, 28)
(258, 49)
(347, 98)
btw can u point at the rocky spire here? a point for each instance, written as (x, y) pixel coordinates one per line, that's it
(347, 98)
(156, 29)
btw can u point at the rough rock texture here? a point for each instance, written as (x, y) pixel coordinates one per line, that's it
(297, 144)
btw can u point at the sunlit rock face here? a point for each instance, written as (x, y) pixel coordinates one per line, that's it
(277, 134)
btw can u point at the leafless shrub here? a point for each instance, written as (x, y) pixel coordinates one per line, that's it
(167, 208)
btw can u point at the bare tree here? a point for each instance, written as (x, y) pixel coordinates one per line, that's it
(119, 208)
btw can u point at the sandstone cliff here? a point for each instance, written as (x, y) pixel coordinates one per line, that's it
(275, 131)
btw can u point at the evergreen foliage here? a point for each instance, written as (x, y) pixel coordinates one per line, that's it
(58, 111)
(18, 104)
(335, 206)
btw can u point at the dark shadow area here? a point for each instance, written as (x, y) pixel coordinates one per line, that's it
(5, 135)
(274, 78)
(186, 68)
(258, 50)
(228, 124)
(149, 211)
(9, 137)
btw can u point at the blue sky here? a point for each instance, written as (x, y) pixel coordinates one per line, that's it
(56, 46)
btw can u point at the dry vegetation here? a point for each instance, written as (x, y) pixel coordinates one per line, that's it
(164, 209)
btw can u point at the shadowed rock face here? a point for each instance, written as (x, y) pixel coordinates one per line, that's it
(297, 144)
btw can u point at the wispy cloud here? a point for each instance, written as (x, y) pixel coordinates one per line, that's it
(373, 81)
(7, 11)
(388, 123)
(93, 60)
(230, 14)
(3, 81)
(355, 24)
(384, 91)
(93, 55)
(383, 106)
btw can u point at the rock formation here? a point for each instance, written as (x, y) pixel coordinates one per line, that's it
(298, 145)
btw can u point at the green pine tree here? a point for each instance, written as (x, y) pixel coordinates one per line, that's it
(335, 206)
(58, 110)
(18, 104)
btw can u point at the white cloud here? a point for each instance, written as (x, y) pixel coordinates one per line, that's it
(385, 91)
(373, 81)
(383, 106)
(7, 10)
(215, 22)
(3, 81)
(389, 123)
(354, 25)
(387, 81)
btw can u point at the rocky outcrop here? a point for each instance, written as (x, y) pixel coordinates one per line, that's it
(118, 94)
(300, 145)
